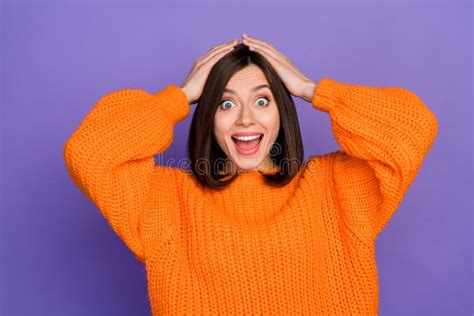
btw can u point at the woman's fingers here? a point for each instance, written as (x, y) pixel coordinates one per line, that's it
(293, 79)
(224, 44)
(212, 59)
(270, 54)
(251, 39)
(269, 48)
(269, 51)
(266, 49)
(196, 78)
(215, 58)
(216, 50)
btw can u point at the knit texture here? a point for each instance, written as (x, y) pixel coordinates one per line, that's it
(306, 248)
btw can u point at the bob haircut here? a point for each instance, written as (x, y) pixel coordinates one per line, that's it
(205, 155)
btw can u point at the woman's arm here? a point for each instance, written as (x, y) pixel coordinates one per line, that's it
(110, 156)
(385, 134)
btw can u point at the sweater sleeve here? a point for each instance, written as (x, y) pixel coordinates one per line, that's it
(385, 134)
(110, 156)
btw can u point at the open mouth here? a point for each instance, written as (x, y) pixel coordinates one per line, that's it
(247, 145)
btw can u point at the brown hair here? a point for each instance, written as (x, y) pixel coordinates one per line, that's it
(203, 150)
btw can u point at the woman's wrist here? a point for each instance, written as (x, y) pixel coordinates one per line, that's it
(308, 91)
(184, 89)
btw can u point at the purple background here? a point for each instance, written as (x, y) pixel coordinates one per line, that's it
(58, 254)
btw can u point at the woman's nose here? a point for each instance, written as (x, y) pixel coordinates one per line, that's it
(246, 116)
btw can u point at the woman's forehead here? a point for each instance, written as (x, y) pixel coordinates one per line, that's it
(247, 79)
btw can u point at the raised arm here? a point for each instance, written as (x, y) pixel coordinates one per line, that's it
(385, 133)
(110, 156)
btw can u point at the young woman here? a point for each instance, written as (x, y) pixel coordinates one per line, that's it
(250, 228)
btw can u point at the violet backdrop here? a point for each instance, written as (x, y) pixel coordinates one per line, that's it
(58, 254)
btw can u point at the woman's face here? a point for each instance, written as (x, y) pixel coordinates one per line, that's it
(247, 111)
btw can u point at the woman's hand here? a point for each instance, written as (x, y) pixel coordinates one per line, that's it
(195, 80)
(294, 80)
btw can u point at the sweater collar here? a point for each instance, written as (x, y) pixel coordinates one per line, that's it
(249, 200)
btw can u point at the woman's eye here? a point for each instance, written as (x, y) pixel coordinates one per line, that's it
(262, 103)
(226, 104)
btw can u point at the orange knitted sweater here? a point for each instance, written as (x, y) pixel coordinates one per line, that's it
(306, 248)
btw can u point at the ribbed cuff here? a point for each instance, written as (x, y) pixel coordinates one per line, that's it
(327, 94)
(177, 100)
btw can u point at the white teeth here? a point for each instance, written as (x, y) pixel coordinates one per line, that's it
(246, 138)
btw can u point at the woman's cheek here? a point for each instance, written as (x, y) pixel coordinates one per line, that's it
(221, 130)
(271, 122)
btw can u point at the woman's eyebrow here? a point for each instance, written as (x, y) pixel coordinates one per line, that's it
(251, 90)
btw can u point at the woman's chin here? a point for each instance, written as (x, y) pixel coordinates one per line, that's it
(248, 163)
